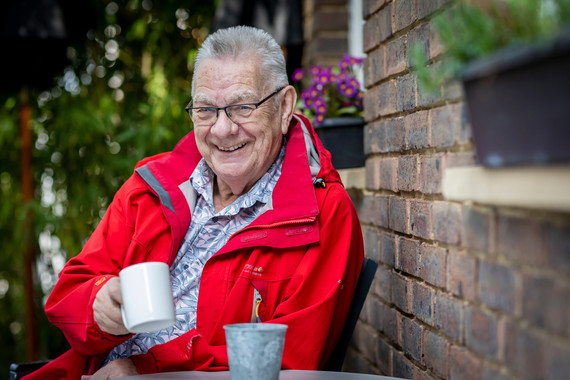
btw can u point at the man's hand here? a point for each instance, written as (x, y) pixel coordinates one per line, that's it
(107, 308)
(116, 368)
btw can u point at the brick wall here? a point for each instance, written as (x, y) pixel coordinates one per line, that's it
(463, 290)
(326, 31)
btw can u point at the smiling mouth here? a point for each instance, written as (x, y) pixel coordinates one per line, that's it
(231, 148)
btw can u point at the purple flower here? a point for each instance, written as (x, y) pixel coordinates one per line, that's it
(320, 106)
(347, 89)
(297, 75)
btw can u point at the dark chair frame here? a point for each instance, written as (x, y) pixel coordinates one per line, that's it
(336, 360)
(19, 370)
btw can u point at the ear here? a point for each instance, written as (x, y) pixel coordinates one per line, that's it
(288, 102)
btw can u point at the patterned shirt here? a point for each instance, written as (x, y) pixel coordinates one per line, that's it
(208, 232)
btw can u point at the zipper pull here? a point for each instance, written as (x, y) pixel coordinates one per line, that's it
(255, 309)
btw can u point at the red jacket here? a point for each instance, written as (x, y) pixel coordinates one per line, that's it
(303, 256)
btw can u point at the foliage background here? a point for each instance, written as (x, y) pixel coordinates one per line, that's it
(120, 99)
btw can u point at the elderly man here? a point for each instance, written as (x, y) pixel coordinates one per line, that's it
(247, 210)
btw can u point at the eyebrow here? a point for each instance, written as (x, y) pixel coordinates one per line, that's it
(242, 97)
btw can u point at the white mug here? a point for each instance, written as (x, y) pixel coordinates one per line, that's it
(147, 297)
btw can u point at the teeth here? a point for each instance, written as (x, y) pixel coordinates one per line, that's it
(232, 148)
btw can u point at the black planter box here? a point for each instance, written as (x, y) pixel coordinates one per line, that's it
(519, 105)
(344, 138)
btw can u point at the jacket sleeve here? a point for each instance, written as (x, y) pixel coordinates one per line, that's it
(314, 307)
(70, 304)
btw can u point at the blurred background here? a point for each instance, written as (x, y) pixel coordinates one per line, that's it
(88, 88)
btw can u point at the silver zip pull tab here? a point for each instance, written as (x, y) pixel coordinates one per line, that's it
(255, 308)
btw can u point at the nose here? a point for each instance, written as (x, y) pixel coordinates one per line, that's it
(224, 126)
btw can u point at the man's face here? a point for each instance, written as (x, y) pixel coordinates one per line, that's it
(239, 154)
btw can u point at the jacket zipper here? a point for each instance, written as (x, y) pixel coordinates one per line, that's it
(255, 308)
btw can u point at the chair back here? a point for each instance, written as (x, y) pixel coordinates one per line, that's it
(19, 370)
(334, 363)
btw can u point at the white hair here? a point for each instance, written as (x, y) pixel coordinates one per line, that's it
(246, 41)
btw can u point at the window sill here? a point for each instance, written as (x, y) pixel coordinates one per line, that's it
(537, 187)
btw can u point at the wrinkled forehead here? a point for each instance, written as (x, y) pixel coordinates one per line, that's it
(227, 79)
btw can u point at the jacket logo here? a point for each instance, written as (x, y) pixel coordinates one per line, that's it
(251, 270)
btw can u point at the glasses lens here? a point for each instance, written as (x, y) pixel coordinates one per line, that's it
(203, 115)
(240, 112)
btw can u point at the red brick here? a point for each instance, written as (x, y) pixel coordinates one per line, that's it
(462, 275)
(395, 135)
(481, 332)
(381, 209)
(421, 218)
(436, 352)
(371, 33)
(546, 304)
(497, 286)
(375, 137)
(557, 242)
(524, 352)
(385, 22)
(372, 172)
(433, 265)
(412, 338)
(418, 38)
(408, 167)
(375, 66)
(425, 8)
(521, 240)
(444, 124)
(447, 222)
(388, 98)
(388, 249)
(329, 19)
(478, 224)
(389, 173)
(372, 6)
(402, 367)
(399, 214)
(366, 209)
(396, 56)
(402, 293)
(453, 160)
(382, 284)
(449, 316)
(391, 325)
(366, 338)
(404, 14)
(371, 242)
(463, 365)
(435, 45)
(557, 361)
(384, 357)
(371, 101)
(423, 303)
(431, 173)
(329, 46)
(407, 91)
(407, 257)
(416, 130)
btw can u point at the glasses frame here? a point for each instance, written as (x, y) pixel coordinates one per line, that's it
(189, 109)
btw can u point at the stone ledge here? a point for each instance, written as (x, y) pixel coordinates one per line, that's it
(536, 187)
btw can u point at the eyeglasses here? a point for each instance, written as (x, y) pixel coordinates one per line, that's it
(238, 113)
